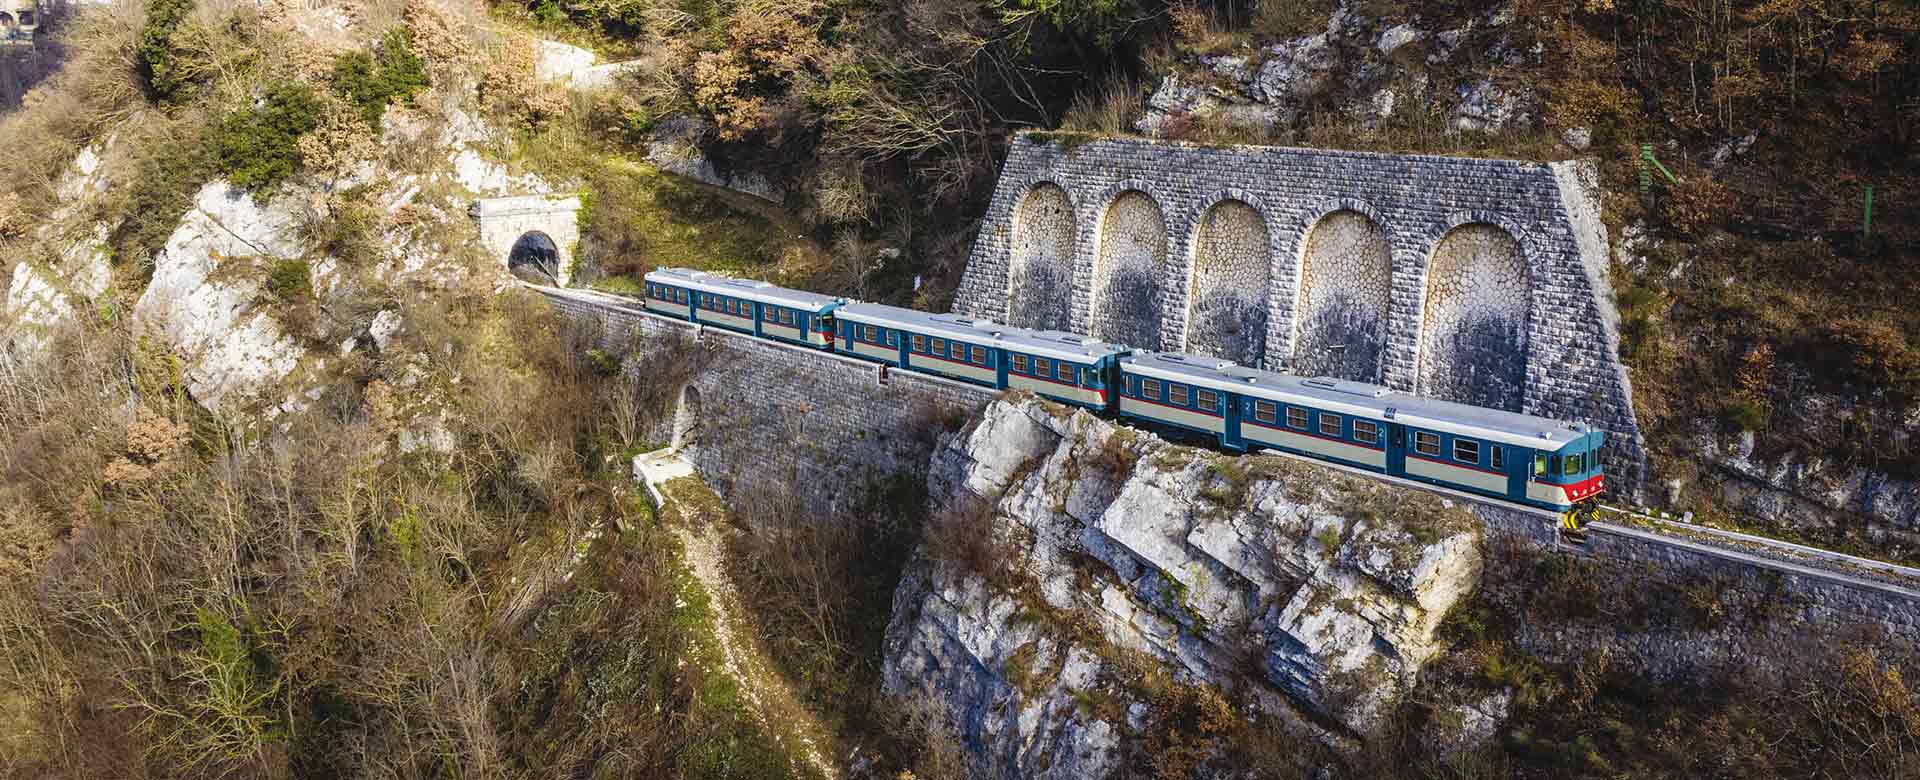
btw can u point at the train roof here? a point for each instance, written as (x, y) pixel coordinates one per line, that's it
(1358, 399)
(1045, 343)
(750, 289)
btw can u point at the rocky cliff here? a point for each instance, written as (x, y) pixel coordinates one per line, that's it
(1084, 584)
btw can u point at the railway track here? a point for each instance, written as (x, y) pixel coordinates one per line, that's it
(1907, 577)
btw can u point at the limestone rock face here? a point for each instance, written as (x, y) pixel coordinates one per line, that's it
(1790, 489)
(231, 347)
(1296, 591)
(73, 268)
(677, 147)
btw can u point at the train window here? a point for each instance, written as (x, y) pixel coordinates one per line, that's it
(919, 343)
(1064, 371)
(680, 296)
(940, 347)
(1499, 454)
(1575, 464)
(1209, 401)
(1367, 431)
(1330, 424)
(1176, 394)
(1020, 363)
(1539, 464)
(870, 333)
(1133, 385)
(1088, 377)
(980, 355)
(1265, 411)
(1426, 443)
(1296, 418)
(1042, 368)
(1466, 451)
(1153, 388)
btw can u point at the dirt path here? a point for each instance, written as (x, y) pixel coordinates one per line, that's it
(701, 521)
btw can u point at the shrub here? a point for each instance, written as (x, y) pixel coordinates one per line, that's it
(372, 81)
(1867, 351)
(1698, 204)
(169, 168)
(258, 147)
(156, 56)
(289, 280)
(1109, 108)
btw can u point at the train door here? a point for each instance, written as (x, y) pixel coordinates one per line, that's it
(1230, 416)
(1518, 461)
(1396, 449)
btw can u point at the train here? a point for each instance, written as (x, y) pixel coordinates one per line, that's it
(1523, 459)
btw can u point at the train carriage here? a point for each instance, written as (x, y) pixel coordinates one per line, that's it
(743, 305)
(1061, 366)
(1517, 457)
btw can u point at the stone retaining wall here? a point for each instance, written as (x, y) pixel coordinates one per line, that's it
(1516, 313)
(763, 414)
(1772, 609)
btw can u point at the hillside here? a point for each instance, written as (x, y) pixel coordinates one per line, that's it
(297, 480)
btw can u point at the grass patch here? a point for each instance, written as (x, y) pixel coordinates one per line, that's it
(290, 280)
(638, 217)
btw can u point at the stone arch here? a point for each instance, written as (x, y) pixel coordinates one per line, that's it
(1129, 270)
(686, 419)
(1040, 273)
(1227, 295)
(1473, 333)
(1345, 286)
(535, 251)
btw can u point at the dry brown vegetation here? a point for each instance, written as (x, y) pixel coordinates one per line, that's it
(188, 596)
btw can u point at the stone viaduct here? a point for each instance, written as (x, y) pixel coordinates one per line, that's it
(1481, 281)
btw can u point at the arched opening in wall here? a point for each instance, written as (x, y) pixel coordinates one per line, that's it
(1340, 311)
(535, 255)
(1128, 270)
(1227, 300)
(1473, 337)
(686, 419)
(1040, 273)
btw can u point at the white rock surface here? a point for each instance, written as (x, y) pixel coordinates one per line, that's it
(232, 350)
(1302, 590)
(74, 265)
(560, 63)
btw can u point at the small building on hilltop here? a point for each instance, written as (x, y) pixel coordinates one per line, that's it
(18, 20)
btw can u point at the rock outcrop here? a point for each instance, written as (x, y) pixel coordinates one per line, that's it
(231, 347)
(1117, 563)
(1358, 65)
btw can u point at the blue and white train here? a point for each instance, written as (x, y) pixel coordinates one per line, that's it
(1515, 457)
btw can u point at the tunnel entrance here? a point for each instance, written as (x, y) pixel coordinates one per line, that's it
(535, 253)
